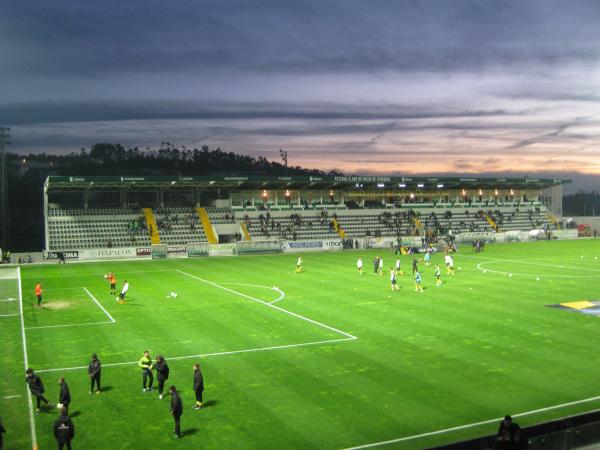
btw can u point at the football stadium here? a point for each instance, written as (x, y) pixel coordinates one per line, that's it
(325, 312)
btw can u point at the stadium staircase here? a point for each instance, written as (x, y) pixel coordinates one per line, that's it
(337, 227)
(207, 225)
(152, 227)
(245, 230)
(491, 222)
(554, 220)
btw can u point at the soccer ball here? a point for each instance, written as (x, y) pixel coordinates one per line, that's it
(59, 406)
(510, 275)
(106, 277)
(459, 268)
(173, 294)
(537, 278)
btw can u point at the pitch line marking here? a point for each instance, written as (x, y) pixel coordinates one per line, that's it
(206, 355)
(471, 425)
(70, 325)
(270, 305)
(481, 267)
(8, 315)
(98, 303)
(26, 360)
(276, 289)
(8, 397)
(8, 300)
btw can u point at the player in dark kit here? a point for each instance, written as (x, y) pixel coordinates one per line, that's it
(64, 430)
(198, 385)
(36, 386)
(2, 431)
(64, 396)
(162, 374)
(176, 409)
(94, 371)
(415, 265)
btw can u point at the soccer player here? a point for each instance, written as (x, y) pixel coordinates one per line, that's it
(2, 431)
(113, 283)
(198, 385)
(376, 265)
(418, 287)
(398, 270)
(36, 386)
(124, 290)
(449, 264)
(64, 430)
(299, 264)
(94, 371)
(38, 294)
(427, 259)
(415, 265)
(64, 396)
(380, 269)
(359, 266)
(146, 366)
(162, 374)
(438, 281)
(393, 280)
(176, 409)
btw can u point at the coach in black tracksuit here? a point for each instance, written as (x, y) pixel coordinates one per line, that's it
(37, 389)
(64, 430)
(176, 409)
(162, 374)
(94, 371)
(198, 385)
(64, 396)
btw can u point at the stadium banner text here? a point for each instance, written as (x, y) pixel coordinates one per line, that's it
(311, 246)
(70, 254)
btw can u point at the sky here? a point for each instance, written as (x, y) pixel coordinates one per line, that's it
(363, 87)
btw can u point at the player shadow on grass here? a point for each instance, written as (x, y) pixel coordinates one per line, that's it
(190, 431)
(210, 403)
(106, 388)
(75, 414)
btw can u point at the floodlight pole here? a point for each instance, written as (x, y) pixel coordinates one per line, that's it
(4, 212)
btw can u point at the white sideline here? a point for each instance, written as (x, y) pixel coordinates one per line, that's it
(8, 315)
(270, 305)
(471, 425)
(26, 361)
(206, 355)
(7, 397)
(98, 303)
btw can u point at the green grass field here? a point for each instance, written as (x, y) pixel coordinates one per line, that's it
(328, 360)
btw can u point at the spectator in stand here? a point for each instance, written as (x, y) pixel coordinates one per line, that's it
(510, 436)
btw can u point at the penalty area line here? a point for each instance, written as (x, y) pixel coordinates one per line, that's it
(293, 314)
(98, 303)
(106, 322)
(471, 425)
(207, 355)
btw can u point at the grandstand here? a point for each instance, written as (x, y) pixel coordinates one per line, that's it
(106, 212)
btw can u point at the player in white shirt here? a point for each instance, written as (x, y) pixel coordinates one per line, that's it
(380, 272)
(393, 280)
(449, 264)
(299, 264)
(124, 290)
(398, 270)
(359, 265)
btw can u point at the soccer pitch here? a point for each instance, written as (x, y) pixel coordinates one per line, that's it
(321, 359)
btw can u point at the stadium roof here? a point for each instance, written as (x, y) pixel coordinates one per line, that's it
(77, 183)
